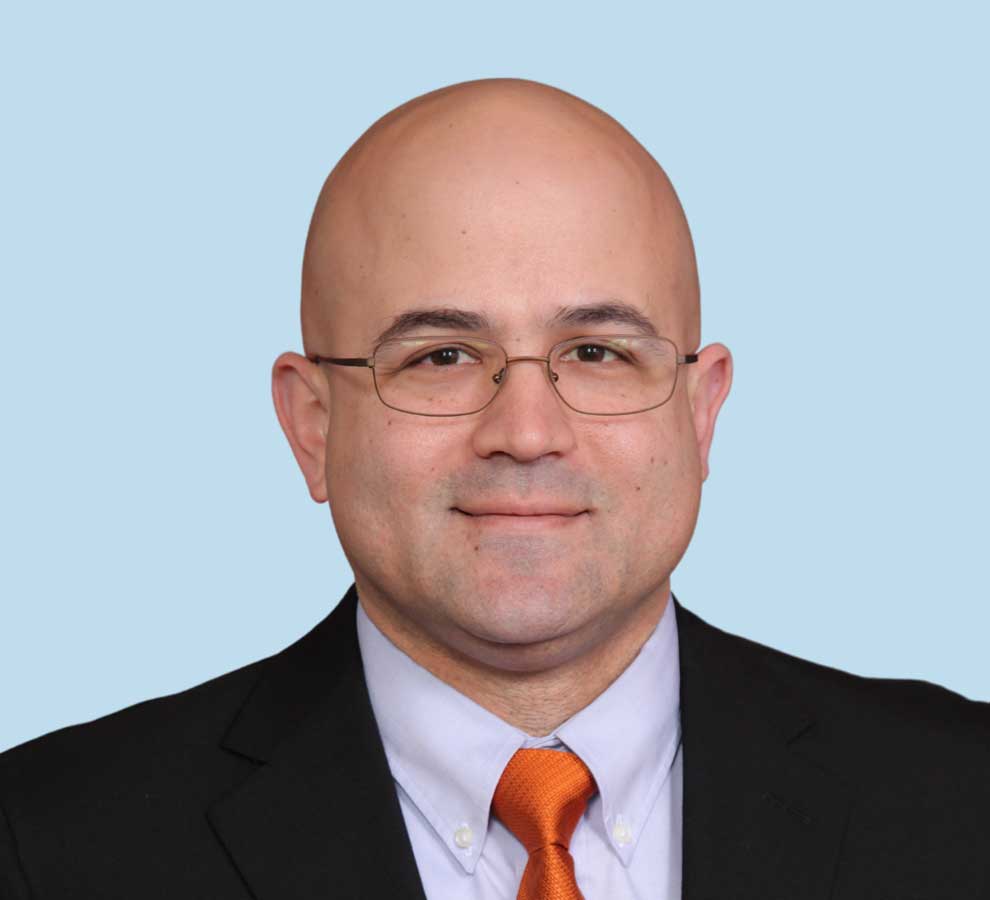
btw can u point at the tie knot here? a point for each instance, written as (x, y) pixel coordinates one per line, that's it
(542, 795)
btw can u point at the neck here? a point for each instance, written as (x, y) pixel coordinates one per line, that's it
(538, 701)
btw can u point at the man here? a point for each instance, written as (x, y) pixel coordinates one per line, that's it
(504, 402)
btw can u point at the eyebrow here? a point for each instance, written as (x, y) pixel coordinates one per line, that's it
(607, 312)
(435, 317)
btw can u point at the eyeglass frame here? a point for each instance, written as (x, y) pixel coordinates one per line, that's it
(501, 376)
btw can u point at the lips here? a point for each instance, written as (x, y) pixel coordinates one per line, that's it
(521, 510)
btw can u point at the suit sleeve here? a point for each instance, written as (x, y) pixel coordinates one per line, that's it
(13, 885)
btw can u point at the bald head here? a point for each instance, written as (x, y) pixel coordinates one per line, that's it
(499, 187)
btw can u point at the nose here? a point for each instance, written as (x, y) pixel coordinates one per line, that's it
(527, 419)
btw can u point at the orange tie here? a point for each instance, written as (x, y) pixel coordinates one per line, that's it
(540, 798)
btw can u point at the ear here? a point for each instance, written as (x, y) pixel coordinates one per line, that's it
(302, 404)
(709, 380)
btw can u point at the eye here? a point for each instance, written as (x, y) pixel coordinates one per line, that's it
(437, 357)
(592, 353)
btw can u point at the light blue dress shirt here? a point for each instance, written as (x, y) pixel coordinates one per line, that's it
(447, 754)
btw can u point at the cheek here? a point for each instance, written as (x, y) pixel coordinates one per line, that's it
(652, 471)
(383, 470)
(654, 490)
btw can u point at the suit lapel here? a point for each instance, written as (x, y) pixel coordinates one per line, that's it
(762, 819)
(319, 816)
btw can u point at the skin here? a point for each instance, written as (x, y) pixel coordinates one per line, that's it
(515, 200)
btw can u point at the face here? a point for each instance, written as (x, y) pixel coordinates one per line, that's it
(527, 533)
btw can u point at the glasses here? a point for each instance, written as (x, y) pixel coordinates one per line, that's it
(599, 375)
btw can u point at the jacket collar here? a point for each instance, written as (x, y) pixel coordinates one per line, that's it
(319, 816)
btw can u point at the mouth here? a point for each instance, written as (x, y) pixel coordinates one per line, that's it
(508, 508)
(522, 516)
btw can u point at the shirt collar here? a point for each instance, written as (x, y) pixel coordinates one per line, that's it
(629, 734)
(447, 752)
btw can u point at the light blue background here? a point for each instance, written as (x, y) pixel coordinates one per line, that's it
(160, 162)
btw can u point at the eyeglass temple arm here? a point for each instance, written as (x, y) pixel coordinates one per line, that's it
(344, 361)
(687, 358)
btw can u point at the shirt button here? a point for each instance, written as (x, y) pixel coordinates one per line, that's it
(621, 832)
(464, 837)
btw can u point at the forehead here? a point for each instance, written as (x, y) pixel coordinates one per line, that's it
(511, 255)
(509, 204)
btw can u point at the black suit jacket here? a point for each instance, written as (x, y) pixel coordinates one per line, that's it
(270, 782)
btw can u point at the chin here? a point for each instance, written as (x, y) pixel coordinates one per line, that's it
(526, 612)
(525, 646)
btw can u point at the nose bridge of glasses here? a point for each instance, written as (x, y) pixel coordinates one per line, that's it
(500, 375)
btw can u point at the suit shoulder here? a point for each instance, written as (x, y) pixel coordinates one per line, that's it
(882, 712)
(884, 704)
(131, 744)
